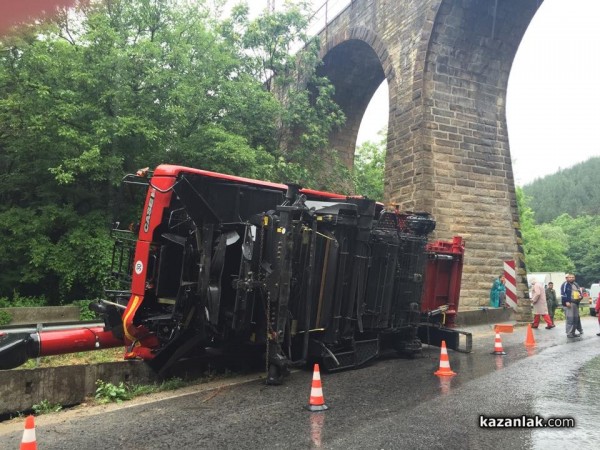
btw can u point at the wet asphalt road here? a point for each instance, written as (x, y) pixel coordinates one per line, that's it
(391, 404)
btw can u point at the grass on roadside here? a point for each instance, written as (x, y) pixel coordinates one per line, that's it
(71, 359)
(109, 392)
(45, 407)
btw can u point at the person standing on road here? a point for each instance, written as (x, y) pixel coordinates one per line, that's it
(570, 295)
(540, 307)
(498, 292)
(551, 300)
(597, 308)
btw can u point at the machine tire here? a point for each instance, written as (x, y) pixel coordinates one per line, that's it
(274, 376)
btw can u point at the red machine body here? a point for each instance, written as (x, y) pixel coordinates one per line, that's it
(18, 347)
(442, 279)
(60, 342)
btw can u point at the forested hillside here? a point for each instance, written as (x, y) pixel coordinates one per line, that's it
(574, 191)
(560, 222)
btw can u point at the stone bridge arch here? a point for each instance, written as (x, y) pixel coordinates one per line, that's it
(357, 62)
(447, 63)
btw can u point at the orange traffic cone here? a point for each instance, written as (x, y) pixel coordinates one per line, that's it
(444, 369)
(28, 442)
(529, 340)
(316, 401)
(498, 350)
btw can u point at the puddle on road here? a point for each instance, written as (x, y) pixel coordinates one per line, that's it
(445, 385)
(576, 396)
(499, 362)
(317, 420)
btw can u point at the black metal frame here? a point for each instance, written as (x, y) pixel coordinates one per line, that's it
(304, 279)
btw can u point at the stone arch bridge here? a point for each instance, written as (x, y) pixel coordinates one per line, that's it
(447, 64)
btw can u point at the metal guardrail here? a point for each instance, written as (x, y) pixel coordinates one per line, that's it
(52, 326)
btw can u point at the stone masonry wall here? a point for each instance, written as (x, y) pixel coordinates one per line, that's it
(447, 64)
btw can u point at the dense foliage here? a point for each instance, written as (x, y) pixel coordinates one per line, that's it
(560, 220)
(567, 244)
(117, 85)
(574, 191)
(369, 168)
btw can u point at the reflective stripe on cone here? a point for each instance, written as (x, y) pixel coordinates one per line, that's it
(29, 442)
(316, 401)
(444, 369)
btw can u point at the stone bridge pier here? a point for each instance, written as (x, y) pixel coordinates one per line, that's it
(447, 64)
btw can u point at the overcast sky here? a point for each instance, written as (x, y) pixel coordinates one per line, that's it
(553, 105)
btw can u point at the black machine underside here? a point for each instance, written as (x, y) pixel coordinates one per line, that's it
(238, 268)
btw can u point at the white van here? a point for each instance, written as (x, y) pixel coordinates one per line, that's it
(594, 291)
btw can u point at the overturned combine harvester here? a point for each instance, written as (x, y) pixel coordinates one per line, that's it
(228, 265)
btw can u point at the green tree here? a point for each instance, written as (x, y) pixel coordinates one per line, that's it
(307, 113)
(117, 85)
(574, 191)
(583, 245)
(369, 168)
(566, 205)
(546, 248)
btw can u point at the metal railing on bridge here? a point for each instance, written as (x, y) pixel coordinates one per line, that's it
(324, 14)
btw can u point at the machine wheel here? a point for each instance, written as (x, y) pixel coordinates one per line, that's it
(274, 376)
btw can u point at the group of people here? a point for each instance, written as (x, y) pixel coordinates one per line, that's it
(545, 301)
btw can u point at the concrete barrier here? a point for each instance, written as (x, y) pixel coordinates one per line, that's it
(481, 316)
(65, 385)
(42, 314)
